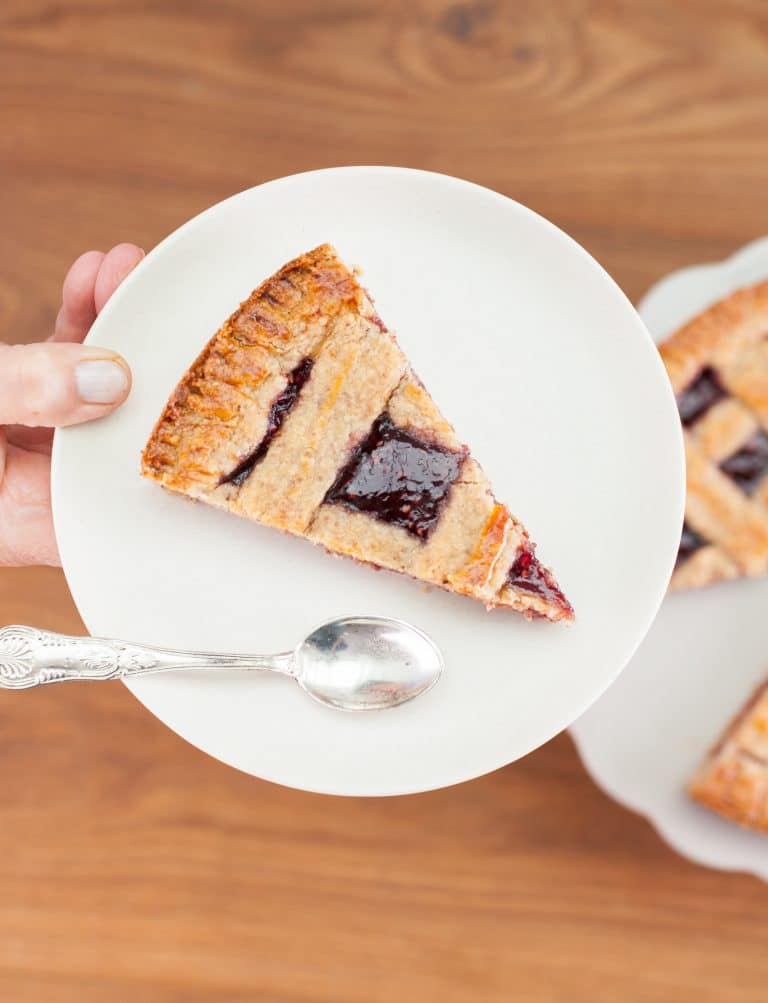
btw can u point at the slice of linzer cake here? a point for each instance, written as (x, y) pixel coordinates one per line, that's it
(733, 780)
(303, 413)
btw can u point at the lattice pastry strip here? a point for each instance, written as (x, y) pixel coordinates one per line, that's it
(723, 429)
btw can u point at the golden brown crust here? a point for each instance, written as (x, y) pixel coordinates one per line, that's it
(733, 780)
(717, 335)
(313, 312)
(247, 361)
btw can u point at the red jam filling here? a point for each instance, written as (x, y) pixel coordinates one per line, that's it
(529, 575)
(690, 542)
(281, 407)
(699, 396)
(748, 467)
(397, 478)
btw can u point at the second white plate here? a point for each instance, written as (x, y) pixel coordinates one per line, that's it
(547, 372)
(704, 655)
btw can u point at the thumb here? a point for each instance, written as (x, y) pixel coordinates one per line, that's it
(59, 384)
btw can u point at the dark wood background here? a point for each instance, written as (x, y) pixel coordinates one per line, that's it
(133, 866)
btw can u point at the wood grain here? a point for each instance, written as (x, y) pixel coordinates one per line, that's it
(132, 865)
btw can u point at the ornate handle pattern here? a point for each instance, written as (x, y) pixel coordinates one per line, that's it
(31, 657)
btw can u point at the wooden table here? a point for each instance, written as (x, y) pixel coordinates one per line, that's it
(133, 866)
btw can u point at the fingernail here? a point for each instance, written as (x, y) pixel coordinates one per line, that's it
(101, 381)
(128, 271)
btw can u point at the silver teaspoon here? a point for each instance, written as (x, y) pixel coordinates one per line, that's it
(353, 663)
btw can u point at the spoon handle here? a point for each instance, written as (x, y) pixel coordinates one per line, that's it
(31, 657)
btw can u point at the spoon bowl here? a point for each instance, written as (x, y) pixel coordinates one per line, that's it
(367, 663)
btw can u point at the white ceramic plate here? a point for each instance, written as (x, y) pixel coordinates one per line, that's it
(545, 369)
(704, 655)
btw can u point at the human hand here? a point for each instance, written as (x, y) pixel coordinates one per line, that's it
(54, 383)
